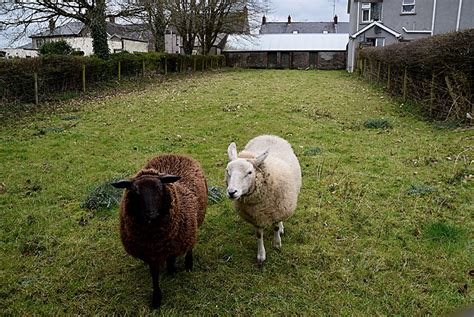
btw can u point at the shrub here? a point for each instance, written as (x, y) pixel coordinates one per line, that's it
(63, 73)
(435, 72)
(56, 48)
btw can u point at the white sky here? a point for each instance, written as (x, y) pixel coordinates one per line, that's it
(300, 11)
(307, 10)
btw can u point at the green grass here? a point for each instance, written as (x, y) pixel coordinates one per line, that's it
(359, 243)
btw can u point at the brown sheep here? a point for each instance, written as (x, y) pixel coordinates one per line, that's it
(161, 210)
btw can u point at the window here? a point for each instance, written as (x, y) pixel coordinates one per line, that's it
(380, 41)
(366, 12)
(371, 12)
(408, 6)
(295, 32)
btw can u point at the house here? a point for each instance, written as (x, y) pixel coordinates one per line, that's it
(25, 51)
(303, 27)
(130, 38)
(380, 23)
(302, 45)
(174, 43)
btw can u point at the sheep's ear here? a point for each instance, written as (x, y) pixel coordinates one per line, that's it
(232, 151)
(259, 159)
(168, 178)
(124, 183)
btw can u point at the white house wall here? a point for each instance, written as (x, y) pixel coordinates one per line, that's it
(135, 46)
(19, 53)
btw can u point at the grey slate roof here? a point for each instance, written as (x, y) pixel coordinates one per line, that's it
(133, 32)
(304, 27)
(69, 29)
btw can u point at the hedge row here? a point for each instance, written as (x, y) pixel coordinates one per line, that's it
(436, 72)
(63, 73)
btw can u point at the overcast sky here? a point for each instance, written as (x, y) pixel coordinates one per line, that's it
(300, 11)
(307, 10)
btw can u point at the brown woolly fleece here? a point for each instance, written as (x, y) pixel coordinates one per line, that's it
(185, 201)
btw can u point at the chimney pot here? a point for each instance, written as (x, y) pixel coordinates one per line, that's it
(111, 19)
(264, 20)
(289, 19)
(335, 19)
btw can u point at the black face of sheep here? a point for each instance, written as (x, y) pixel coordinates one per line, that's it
(148, 190)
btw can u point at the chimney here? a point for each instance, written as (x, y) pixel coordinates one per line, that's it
(289, 19)
(111, 19)
(335, 19)
(52, 25)
(264, 20)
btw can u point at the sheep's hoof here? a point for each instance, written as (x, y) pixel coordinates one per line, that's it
(155, 303)
(276, 245)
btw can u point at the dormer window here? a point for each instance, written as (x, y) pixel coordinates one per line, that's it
(366, 12)
(371, 12)
(408, 6)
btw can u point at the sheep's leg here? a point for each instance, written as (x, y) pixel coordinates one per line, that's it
(261, 248)
(188, 261)
(171, 265)
(155, 276)
(282, 227)
(276, 237)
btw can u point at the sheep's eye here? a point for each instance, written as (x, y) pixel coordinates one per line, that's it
(249, 173)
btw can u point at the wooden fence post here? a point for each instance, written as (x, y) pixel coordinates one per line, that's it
(119, 71)
(388, 77)
(194, 67)
(83, 78)
(35, 76)
(405, 87)
(143, 68)
(203, 64)
(166, 66)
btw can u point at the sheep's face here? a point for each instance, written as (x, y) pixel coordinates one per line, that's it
(149, 195)
(240, 173)
(240, 178)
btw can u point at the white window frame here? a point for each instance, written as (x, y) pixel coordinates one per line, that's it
(366, 7)
(406, 3)
(377, 41)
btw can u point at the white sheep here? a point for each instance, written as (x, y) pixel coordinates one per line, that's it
(264, 181)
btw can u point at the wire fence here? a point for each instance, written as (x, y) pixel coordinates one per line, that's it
(37, 80)
(436, 73)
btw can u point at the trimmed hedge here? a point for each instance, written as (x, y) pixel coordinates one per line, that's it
(63, 73)
(436, 72)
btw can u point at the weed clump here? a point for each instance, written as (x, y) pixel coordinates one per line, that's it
(378, 123)
(104, 196)
(215, 194)
(443, 232)
(421, 190)
(313, 151)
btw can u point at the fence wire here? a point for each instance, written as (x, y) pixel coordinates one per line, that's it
(25, 85)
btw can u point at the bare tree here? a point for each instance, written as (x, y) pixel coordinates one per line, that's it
(152, 16)
(184, 15)
(207, 19)
(91, 12)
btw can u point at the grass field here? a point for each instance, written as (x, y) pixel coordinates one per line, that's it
(384, 223)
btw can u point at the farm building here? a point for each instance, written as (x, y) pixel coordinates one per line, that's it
(287, 50)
